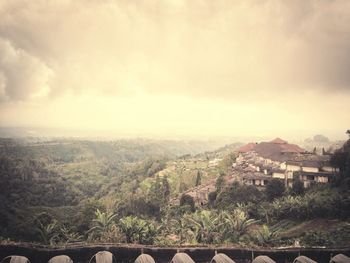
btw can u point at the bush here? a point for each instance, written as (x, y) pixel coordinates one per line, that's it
(321, 202)
(187, 200)
(238, 194)
(212, 198)
(137, 230)
(298, 188)
(274, 189)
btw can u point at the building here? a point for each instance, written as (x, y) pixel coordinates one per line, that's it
(256, 179)
(281, 160)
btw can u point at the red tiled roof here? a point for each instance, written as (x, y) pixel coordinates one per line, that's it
(247, 148)
(291, 148)
(276, 149)
(279, 141)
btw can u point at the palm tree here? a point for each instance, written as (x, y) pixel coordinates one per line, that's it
(104, 222)
(204, 225)
(234, 225)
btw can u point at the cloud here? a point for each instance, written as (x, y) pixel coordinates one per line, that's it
(237, 50)
(22, 76)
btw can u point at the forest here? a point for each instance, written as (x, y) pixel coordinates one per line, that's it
(65, 191)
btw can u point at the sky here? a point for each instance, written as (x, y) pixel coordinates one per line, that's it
(198, 68)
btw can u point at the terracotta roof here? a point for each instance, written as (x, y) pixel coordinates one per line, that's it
(291, 148)
(279, 141)
(277, 149)
(247, 148)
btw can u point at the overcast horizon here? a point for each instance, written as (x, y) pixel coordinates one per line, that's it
(170, 68)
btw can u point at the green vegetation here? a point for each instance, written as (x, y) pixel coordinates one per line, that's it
(274, 189)
(63, 192)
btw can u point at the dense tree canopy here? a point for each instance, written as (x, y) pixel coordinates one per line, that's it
(274, 189)
(341, 159)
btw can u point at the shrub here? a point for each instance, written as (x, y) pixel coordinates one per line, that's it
(187, 200)
(238, 194)
(274, 189)
(298, 188)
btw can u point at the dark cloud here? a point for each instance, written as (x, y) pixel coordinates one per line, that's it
(241, 49)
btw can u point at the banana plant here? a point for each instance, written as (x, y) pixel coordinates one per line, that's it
(235, 225)
(204, 225)
(103, 223)
(265, 235)
(48, 233)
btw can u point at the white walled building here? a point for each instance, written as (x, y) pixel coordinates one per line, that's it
(278, 159)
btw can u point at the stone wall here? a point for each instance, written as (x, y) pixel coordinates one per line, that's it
(128, 253)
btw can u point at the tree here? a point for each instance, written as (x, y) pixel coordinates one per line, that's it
(138, 230)
(156, 193)
(87, 214)
(298, 187)
(166, 188)
(320, 138)
(234, 225)
(183, 187)
(220, 183)
(131, 226)
(187, 200)
(141, 206)
(212, 198)
(227, 162)
(103, 224)
(203, 224)
(341, 159)
(48, 232)
(274, 189)
(236, 193)
(198, 178)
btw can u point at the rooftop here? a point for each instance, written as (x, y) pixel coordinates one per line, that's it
(277, 149)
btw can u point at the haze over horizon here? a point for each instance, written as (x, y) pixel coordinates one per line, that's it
(177, 68)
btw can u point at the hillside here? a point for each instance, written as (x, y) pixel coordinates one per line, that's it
(154, 192)
(37, 173)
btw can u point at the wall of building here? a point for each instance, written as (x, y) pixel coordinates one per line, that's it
(278, 175)
(293, 168)
(290, 174)
(321, 179)
(327, 169)
(310, 169)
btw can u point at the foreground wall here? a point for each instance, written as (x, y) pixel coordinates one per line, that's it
(125, 253)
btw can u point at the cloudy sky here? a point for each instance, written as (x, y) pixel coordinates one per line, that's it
(176, 67)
